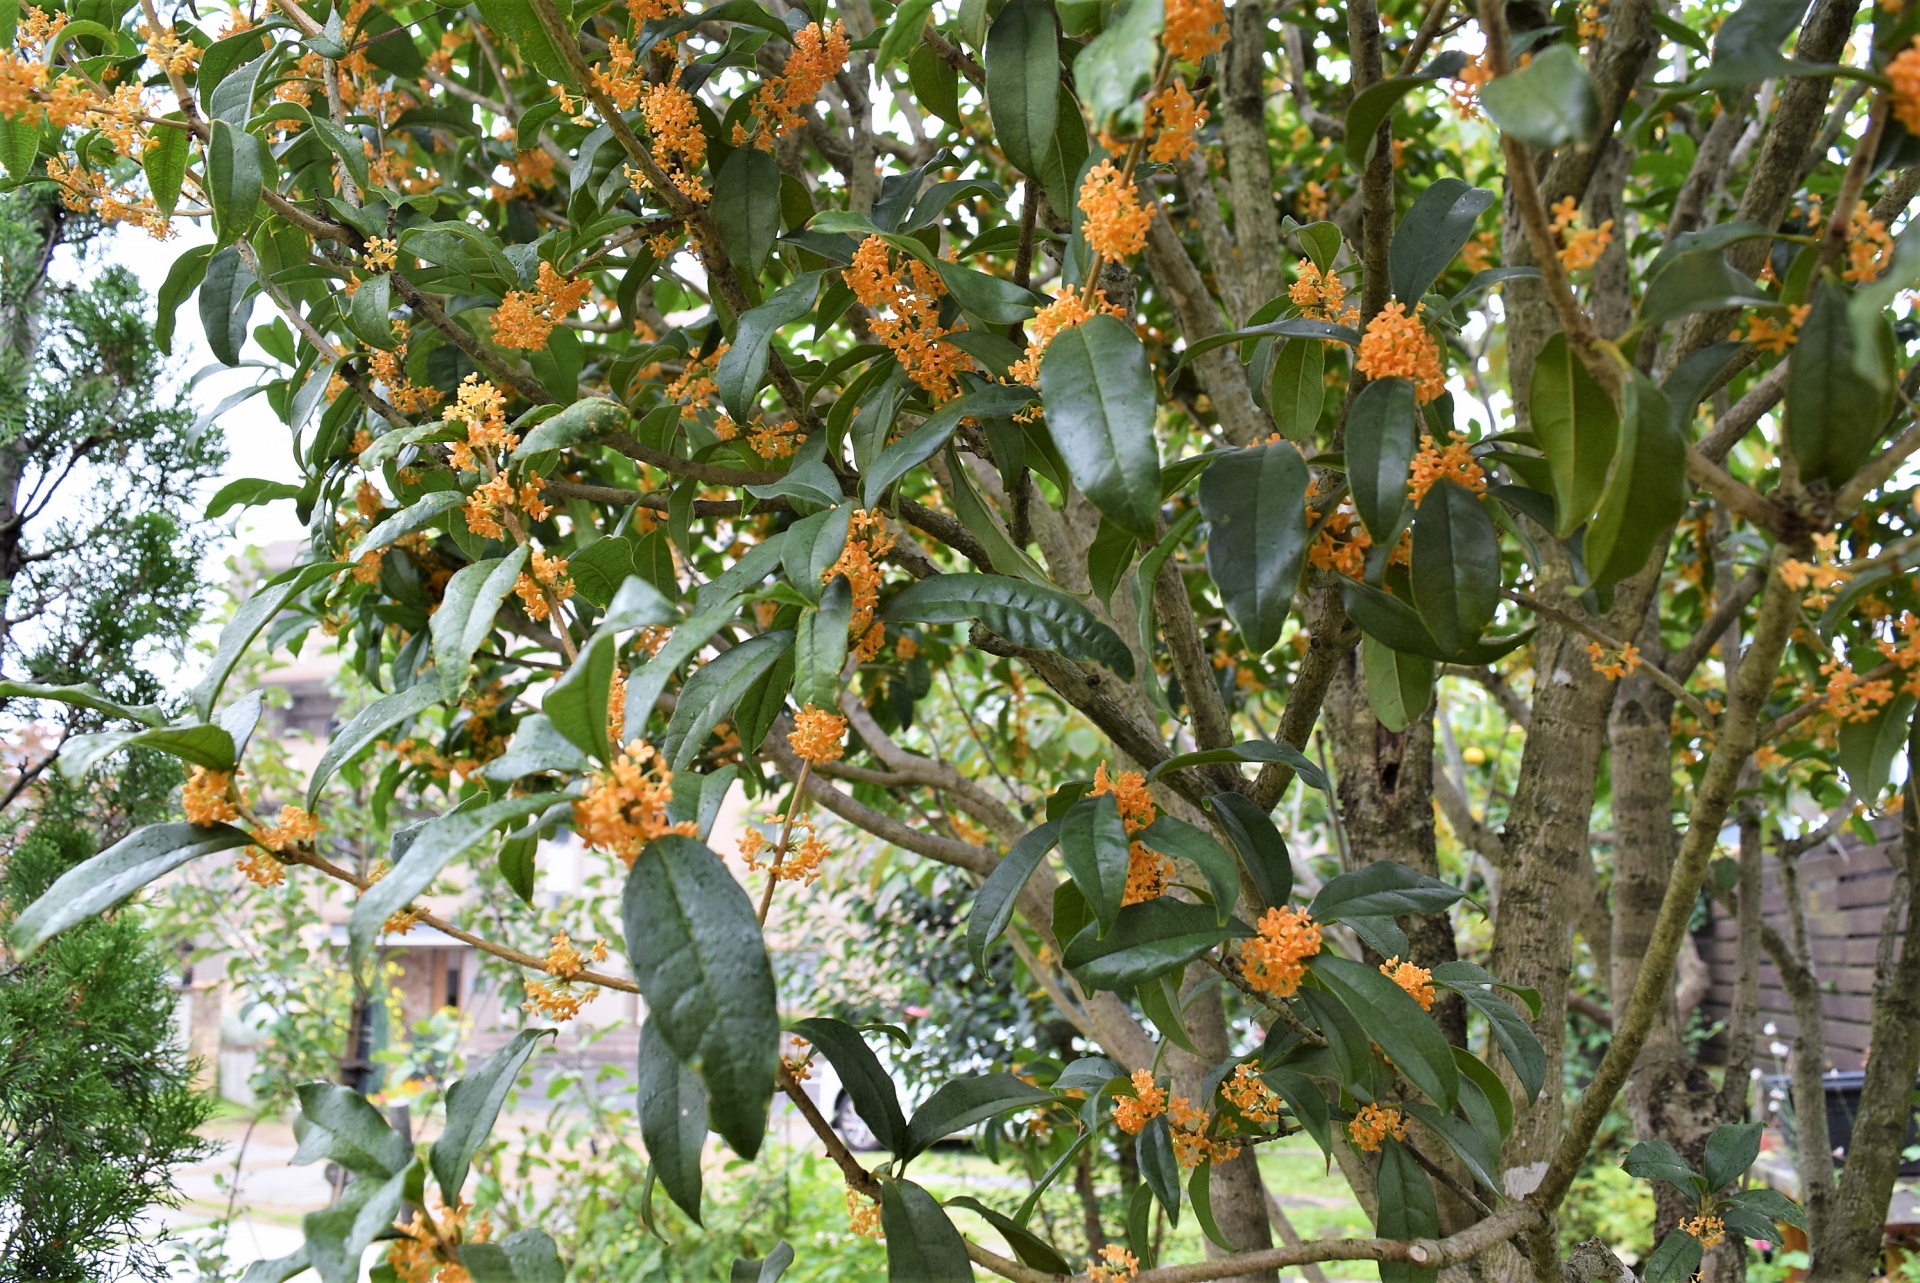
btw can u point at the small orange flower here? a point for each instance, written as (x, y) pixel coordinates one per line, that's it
(1397, 346)
(863, 1215)
(906, 316)
(1148, 1102)
(1116, 225)
(1709, 1229)
(1373, 1125)
(525, 318)
(1194, 28)
(1275, 960)
(1417, 981)
(1173, 118)
(818, 735)
(1051, 321)
(625, 806)
(1452, 462)
(1904, 72)
(1251, 1096)
(1115, 1265)
(819, 54)
(206, 800)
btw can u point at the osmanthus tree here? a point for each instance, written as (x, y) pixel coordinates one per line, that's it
(678, 392)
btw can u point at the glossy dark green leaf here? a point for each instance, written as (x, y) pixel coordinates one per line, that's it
(418, 515)
(248, 492)
(1460, 972)
(1175, 837)
(1023, 81)
(646, 683)
(1483, 1096)
(1382, 438)
(1200, 1190)
(1115, 68)
(766, 1270)
(1699, 281)
(466, 615)
(741, 371)
(1149, 939)
(368, 727)
(925, 441)
(85, 695)
(536, 746)
(1306, 1102)
(1395, 1022)
(1834, 416)
(1297, 388)
(1676, 1260)
(746, 207)
(1771, 1204)
(994, 299)
(936, 85)
(865, 1079)
(1032, 1250)
(1099, 394)
(963, 1102)
(1094, 846)
(1869, 749)
(1408, 1210)
(1399, 685)
(1158, 1167)
(1063, 156)
(820, 646)
(577, 703)
(473, 1103)
(19, 144)
(102, 881)
(1374, 104)
(673, 1120)
(1431, 235)
(1517, 1042)
(1731, 1149)
(226, 304)
(1255, 505)
(235, 177)
(1578, 428)
(1024, 613)
(703, 970)
(356, 1136)
(1646, 489)
(994, 903)
(1248, 751)
(1263, 851)
(165, 162)
(524, 1256)
(1159, 1000)
(1479, 1153)
(1548, 102)
(1383, 888)
(710, 694)
(922, 1245)
(1456, 565)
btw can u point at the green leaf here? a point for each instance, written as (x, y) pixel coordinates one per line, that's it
(1517, 1041)
(994, 903)
(1159, 1001)
(1094, 846)
(227, 89)
(743, 368)
(1183, 841)
(466, 614)
(1023, 82)
(1382, 437)
(235, 178)
(1456, 565)
(183, 278)
(1746, 49)
(369, 314)
(1200, 1190)
(338, 1235)
(1248, 751)
(357, 1137)
(710, 694)
(1771, 1204)
(972, 510)
(85, 695)
(1116, 67)
(536, 746)
(925, 441)
(434, 845)
(1297, 390)
(1374, 104)
(102, 881)
(1255, 505)
(1063, 156)
(1493, 1100)
(1099, 394)
(165, 163)
(1407, 1210)
(1868, 749)
(1578, 429)
(1399, 685)
(1148, 939)
(1032, 1250)
(820, 646)
(589, 419)
(1478, 1152)
(673, 1120)
(1263, 852)
(577, 703)
(1396, 1022)
(1458, 974)
(766, 1270)
(702, 968)
(1646, 488)
(1025, 614)
(417, 515)
(226, 304)
(645, 683)
(964, 1102)
(367, 727)
(746, 207)
(866, 1081)
(1834, 416)
(247, 623)
(1548, 102)
(1699, 281)
(1656, 1160)
(1306, 1102)
(524, 1256)
(19, 144)
(1383, 888)
(1158, 1167)
(993, 299)
(248, 492)
(473, 1103)
(936, 86)
(1676, 1260)
(1731, 1150)
(922, 1245)
(1432, 234)
(1291, 327)
(279, 1269)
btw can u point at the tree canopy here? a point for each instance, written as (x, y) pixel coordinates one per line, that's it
(678, 394)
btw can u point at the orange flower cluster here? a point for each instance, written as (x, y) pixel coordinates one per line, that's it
(207, 799)
(868, 540)
(483, 408)
(863, 1215)
(1192, 1145)
(1869, 248)
(1904, 72)
(818, 735)
(1373, 1125)
(1195, 28)
(1275, 960)
(563, 999)
(261, 869)
(819, 54)
(1053, 320)
(1116, 225)
(623, 80)
(546, 584)
(1464, 92)
(89, 191)
(1819, 577)
(168, 50)
(773, 441)
(1588, 25)
(1148, 1102)
(1322, 296)
(565, 961)
(525, 318)
(1582, 247)
(390, 368)
(801, 861)
(1709, 1229)
(293, 827)
(1115, 1265)
(1417, 981)
(1173, 118)
(906, 316)
(1479, 253)
(1148, 872)
(1397, 346)
(650, 10)
(1907, 653)
(1850, 696)
(1774, 336)
(1313, 202)
(695, 388)
(674, 121)
(1251, 1096)
(1436, 463)
(1613, 669)
(625, 806)
(416, 1256)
